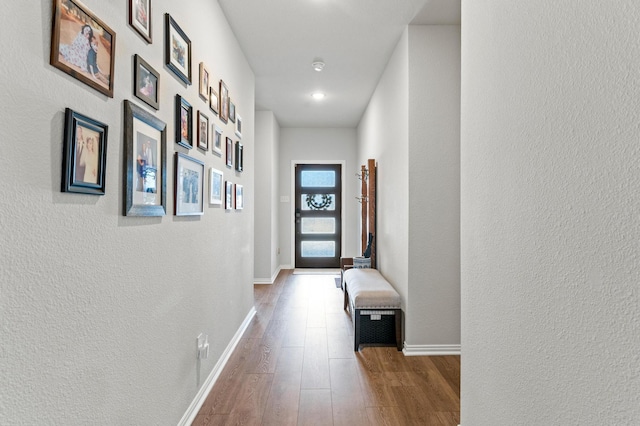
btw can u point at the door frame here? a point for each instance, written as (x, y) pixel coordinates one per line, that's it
(292, 195)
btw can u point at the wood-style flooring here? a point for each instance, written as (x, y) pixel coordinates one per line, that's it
(295, 365)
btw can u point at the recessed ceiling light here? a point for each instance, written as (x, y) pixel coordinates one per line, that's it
(318, 65)
(317, 95)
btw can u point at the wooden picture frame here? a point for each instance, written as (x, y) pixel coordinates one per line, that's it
(229, 153)
(140, 18)
(239, 157)
(216, 189)
(145, 152)
(223, 112)
(239, 197)
(184, 122)
(239, 126)
(204, 81)
(177, 50)
(228, 195)
(189, 186)
(83, 46)
(214, 100)
(232, 111)
(84, 162)
(203, 131)
(146, 82)
(216, 145)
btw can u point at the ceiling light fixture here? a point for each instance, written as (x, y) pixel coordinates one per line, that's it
(318, 65)
(317, 96)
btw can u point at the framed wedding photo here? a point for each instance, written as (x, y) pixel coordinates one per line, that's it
(145, 152)
(184, 122)
(203, 131)
(189, 186)
(216, 188)
(145, 82)
(223, 113)
(83, 46)
(229, 153)
(84, 161)
(216, 146)
(239, 197)
(204, 81)
(228, 195)
(140, 18)
(177, 50)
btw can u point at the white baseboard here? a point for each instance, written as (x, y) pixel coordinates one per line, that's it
(191, 413)
(430, 350)
(268, 280)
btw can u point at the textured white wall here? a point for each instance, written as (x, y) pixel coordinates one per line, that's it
(383, 134)
(433, 306)
(100, 312)
(322, 145)
(550, 229)
(266, 197)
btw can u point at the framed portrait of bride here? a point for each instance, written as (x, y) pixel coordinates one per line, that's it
(82, 45)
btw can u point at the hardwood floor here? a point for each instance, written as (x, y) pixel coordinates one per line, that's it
(295, 365)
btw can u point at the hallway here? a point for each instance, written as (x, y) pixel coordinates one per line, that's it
(295, 365)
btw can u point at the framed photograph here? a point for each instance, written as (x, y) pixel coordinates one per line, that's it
(140, 17)
(145, 82)
(84, 161)
(83, 46)
(177, 50)
(216, 146)
(239, 197)
(239, 156)
(239, 127)
(228, 195)
(229, 153)
(189, 186)
(215, 186)
(145, 151)
(184, 122)
(223, 112)
(203, 131)
(204, 81)
(232, 111)
(213, 100)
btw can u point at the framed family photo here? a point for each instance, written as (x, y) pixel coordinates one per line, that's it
(239, 197)
(203, 131)
(216, 146)
(145, 82)
(84, 160)
(140, 17)
(145, 178)
(228, 195)
(177, 50)
(205, 79)
(184, 122)
(229, 153)
(189, 186)
(216, 188)
(83, 46)
(223, 112)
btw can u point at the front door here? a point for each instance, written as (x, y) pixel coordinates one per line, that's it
(318, 207)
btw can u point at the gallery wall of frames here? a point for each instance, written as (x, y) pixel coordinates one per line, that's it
(207, 126)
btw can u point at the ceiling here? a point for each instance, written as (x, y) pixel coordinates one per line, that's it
(355, 38)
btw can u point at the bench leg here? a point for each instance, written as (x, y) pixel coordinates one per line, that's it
(398, 316)
(346, 297)
(356, 330)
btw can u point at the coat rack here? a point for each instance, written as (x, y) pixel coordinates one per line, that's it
(367, 200)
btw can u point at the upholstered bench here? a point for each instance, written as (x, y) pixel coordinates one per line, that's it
(375, 308)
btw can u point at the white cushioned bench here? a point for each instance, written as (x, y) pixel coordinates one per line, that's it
(375, 307)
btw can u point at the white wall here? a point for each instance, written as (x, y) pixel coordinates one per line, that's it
(550, 229)
(433, 308)
(321, 145)
(267, 201)
(100, 312)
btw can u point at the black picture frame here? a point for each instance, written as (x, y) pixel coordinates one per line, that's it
(239, 157)
(188, 186)
(184, 122)
(145, 163)
(177, 50)
(74, 54)
(146, 82)
(140, 18)
(229, 153)
(84, 161)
